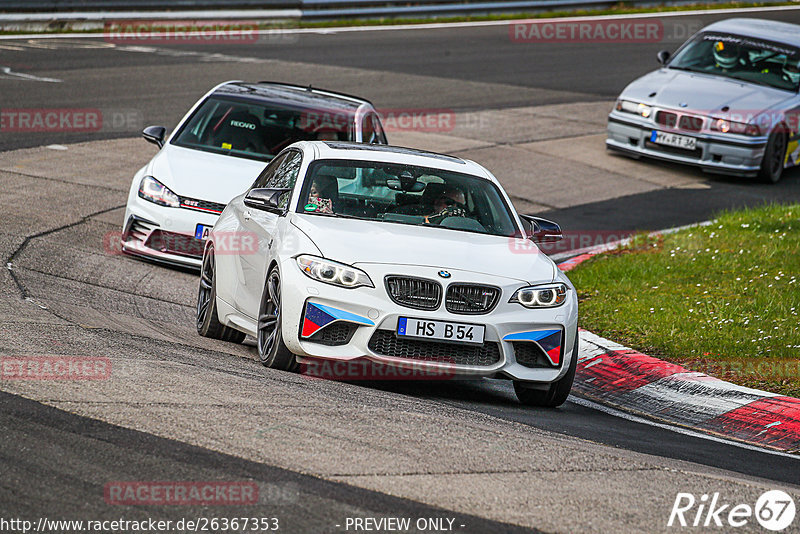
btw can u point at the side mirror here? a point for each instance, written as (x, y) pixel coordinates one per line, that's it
(542, 230)
(663, 57)
(155, 135)
(267, 199)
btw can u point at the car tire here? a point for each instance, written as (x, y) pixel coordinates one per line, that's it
(272, 351)
(774, 157)
(556, 394)
(208, 324)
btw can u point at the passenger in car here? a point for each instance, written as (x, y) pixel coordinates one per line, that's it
(321, 193)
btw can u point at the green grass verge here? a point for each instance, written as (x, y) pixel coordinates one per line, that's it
(617, 9)
(722, 299)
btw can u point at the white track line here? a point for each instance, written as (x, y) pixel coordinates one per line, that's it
(685, 431)
(431, 26)
(196, 14)
(7, 73)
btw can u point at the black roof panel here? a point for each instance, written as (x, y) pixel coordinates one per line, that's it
(338, 145)
(292, 94)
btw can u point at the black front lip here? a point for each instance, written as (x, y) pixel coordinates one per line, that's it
(706, 167)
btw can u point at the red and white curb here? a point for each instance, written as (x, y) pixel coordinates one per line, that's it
(633, 382)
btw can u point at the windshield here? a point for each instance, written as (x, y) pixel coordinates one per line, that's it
(405, 194)
(742, 58)
(259, 130)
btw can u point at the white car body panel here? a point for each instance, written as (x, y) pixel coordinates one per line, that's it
(198, 175)
(380, 249)
(421, 246)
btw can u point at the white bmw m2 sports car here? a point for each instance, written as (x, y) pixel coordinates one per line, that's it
(216, 152)
(392, 256)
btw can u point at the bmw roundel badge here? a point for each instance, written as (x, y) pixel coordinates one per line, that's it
(444, 274)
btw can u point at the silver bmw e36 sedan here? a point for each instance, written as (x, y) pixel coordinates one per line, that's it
(727, 101)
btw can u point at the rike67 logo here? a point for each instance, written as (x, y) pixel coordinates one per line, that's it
(774, 510)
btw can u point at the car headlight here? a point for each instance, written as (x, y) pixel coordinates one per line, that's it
(725, 126)
(634, 107)
(156, 192)
(541, 296)
(333, 272)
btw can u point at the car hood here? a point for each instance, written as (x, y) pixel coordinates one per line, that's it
(359, 242)
(702, 93)
(203, 175)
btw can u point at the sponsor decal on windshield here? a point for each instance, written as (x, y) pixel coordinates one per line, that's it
(750, 42)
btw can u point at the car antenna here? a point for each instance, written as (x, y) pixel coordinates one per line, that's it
(309, 88)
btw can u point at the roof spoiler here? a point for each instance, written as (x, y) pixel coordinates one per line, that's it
(318, 90)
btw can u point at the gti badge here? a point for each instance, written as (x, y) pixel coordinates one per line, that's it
(444, 274)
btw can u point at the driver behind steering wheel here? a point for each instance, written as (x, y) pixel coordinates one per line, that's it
(450, 203)
(726, 55)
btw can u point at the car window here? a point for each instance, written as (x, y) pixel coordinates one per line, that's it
(285, 174)
(371, 130)
(268, 171)
(259, 130)
(742, 58)
(405, 194)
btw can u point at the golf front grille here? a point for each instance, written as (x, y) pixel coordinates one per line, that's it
(202, 205)
(387, 343)
(139, 229)
(175, 243)
(471, 299)
(417, 293)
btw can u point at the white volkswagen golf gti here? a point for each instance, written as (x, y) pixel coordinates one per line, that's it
(216, 151)
(344, 252)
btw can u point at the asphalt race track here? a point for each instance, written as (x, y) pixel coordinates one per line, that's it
(181, 407)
